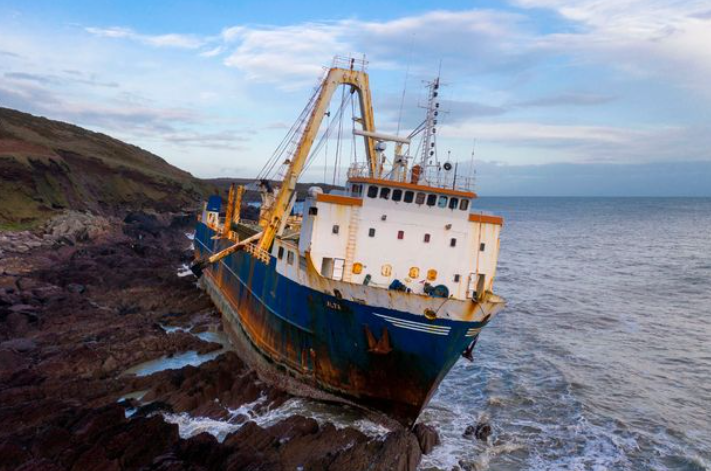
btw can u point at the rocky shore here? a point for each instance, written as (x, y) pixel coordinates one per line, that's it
(84, 299)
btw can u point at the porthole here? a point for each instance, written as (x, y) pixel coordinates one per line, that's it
(386, 270)
(357, 268)
(414, 272)
(431, 274)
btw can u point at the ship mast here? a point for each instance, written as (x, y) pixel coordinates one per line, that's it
(429, 129)
(358, 80)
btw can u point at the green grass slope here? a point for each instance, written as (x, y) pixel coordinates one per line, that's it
(47, 166)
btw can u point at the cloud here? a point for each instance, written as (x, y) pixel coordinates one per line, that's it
(181, 41)
(643, 38)
(46, 79)
(487, 42)
(567, 99)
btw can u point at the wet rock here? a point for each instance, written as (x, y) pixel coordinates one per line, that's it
(427, 437)
(481, 431)
(19, 345)
(400, 451)
(76, 288)
(152, 408)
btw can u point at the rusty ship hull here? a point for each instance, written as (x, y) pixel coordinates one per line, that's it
(316, 344)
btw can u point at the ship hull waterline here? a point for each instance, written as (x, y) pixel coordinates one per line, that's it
(312, 344)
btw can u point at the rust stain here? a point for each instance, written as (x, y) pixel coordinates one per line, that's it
(337, 199)
(486, 219)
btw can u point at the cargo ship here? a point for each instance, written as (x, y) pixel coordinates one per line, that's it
(372, 293)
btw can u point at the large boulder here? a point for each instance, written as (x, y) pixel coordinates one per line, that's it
(75, 226)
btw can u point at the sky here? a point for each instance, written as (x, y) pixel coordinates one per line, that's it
(555, 97)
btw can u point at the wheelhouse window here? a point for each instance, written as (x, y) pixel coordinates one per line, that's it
(290, 257)
(385, 193)
(420, 198)
(372, 191)
(400, 235)
(431, 200)
(452, 242)
(453, 203)
(482, 247)
(426, 239)
(371, 232)
(357, 189)
(456, 278)
(280, 253)
(409, 196)
(464, 205)
(335, 229)
(397, 194)
(442, 203)
(313, 211)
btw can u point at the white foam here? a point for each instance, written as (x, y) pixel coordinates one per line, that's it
(189, 426)
(184, 271)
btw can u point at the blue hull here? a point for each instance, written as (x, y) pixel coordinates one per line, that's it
(374, 357)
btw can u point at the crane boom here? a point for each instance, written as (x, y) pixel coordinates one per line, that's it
(358, 80)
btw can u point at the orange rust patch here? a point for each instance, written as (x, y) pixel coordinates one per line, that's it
(337, 199)
(486, 219)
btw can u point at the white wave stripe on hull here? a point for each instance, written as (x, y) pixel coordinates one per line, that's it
(417, 326)
(472, 332)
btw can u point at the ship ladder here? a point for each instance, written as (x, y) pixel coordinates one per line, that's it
(351, 244)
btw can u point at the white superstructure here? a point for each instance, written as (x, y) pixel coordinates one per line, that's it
(384, 231)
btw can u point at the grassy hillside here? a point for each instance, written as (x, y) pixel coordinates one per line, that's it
(47, 166)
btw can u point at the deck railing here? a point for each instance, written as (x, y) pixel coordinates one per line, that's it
(430, 175)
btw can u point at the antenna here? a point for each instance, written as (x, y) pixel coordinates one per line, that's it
(471, 162)
(404, 86)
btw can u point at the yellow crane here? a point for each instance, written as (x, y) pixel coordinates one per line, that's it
(358, 80)
(336, 76)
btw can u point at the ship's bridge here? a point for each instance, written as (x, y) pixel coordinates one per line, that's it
(402, 235)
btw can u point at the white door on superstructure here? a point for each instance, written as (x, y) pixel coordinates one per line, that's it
(338, 266)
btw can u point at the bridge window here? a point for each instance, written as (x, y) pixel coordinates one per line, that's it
(453, 203)
(281, 253)
(357, 189)
(482, 247)
(313, 211)
(409, 196)
(372, 191)
(442, 202)
(290, 257)
(456, 278)
(400, 235)
(452, 242)
(397, 195)
(335, 229)
(385, 193)
(420, 198)
(371, 232)
(464, 205)
(431, 200)
(427, 239)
